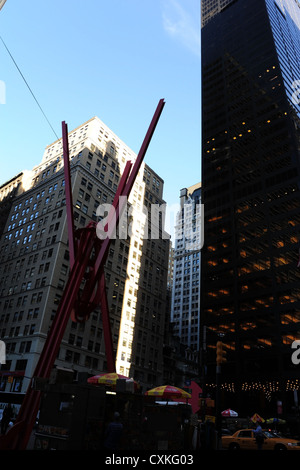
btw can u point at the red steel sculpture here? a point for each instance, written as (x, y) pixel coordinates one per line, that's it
(88, 255)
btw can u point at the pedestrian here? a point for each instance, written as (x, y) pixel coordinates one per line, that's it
(113, 433)
(259, 437)
(6, 418)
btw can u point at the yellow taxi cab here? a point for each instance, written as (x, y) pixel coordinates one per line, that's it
(244, 439)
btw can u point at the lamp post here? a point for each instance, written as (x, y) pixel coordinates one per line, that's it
(220, 359)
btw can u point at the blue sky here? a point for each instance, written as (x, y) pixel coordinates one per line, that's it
(112, 59)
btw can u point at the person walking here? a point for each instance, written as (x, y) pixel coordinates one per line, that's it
(113, 433)
(6, 418)
(259, 437)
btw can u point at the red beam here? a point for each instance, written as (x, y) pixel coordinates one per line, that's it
(144, 147)
(68, 193)
(119, 208)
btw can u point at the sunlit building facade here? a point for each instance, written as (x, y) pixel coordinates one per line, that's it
(250, 178)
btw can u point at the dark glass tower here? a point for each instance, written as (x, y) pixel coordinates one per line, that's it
(250, 190)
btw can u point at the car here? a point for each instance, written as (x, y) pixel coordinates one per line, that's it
(226, 432)
(244, 439)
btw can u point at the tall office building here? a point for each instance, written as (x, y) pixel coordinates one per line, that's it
(34, 260)
(185, 310)
(210, 8)
(250, 177)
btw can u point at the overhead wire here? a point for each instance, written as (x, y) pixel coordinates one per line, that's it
(18, 68)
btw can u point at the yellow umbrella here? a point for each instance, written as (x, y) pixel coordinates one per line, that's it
(168, 391)
(109, 379)
(275, 421)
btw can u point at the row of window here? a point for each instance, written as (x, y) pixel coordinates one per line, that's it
(24, 347)
(29, 200)
(15, 331)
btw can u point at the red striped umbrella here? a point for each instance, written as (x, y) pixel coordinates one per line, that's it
(228, 413)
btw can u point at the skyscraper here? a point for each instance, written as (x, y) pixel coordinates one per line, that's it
(250, 190)
(185, 311)
(34, 260)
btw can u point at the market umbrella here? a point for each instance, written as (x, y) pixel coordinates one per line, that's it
(168, 391)
(257, 419)
(109, 379)
(229, 413)
(275, 421)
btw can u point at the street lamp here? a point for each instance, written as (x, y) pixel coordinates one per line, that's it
(2, 4)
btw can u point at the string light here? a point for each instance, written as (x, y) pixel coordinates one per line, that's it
(267, 387)
(292, 385)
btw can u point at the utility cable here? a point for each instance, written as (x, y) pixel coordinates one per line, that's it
(29, 87)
